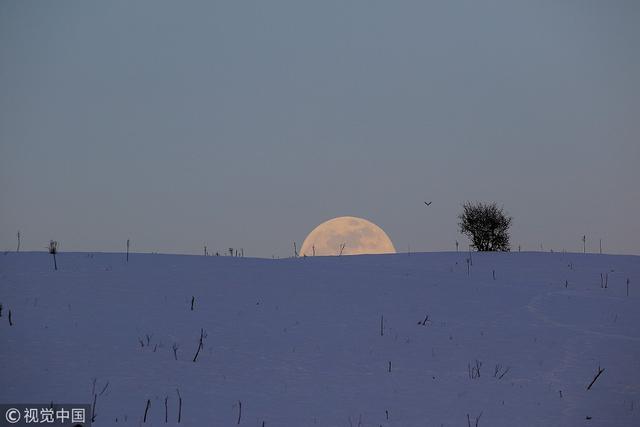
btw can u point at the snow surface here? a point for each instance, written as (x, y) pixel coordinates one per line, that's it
(298, 341)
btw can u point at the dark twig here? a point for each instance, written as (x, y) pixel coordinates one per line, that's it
(104, 388)
(146, 409)
(477, 419)
(600, 371)
(200, 344)
(474, 371)
(53, 250)
(179, 406)
(93, 408)
(342, 246)
(497, 369)
(627, 286)
(504, 373)
(175, 351)
(239, 410)
(424, 322)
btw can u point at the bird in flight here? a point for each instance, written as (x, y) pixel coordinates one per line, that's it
(428, 203)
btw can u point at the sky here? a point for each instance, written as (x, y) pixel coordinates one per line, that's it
(247, 124)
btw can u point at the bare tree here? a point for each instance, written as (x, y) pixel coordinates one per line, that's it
(486, 225)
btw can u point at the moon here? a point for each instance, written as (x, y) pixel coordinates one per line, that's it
(347, 235)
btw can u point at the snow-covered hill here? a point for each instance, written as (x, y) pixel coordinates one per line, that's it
(387, 340)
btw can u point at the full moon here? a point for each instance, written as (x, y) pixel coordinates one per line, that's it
(347, 235)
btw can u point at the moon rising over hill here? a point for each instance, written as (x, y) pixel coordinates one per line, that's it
(347, 235)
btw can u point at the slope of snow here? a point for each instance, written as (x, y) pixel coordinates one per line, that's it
(298, 341)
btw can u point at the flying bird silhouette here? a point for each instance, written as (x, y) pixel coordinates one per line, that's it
(428, 204)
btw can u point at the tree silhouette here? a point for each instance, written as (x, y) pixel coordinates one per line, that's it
(486, 225)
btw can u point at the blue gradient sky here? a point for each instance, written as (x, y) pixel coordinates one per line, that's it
(246, 124)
